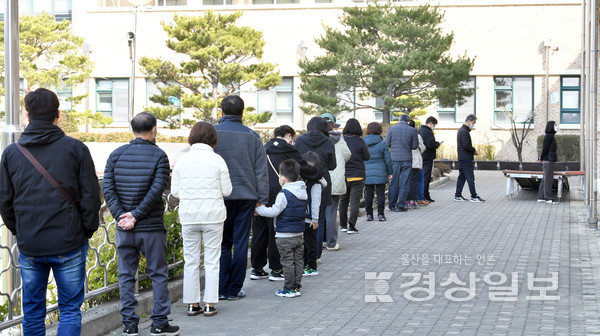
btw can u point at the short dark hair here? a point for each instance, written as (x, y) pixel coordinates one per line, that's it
(374, 128)
(143, 122)
(318, 124)
(411, 123)
(290, 169)
(431, 120)
(352, 127)
(203, 132)
(471, 117)
(42, 104)
(312, 158)
(232, 105)
(404, 117)
(282, 130)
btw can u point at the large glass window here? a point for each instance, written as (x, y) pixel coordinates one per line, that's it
(513, 97)
(570, 89)
(458, 113)
(61, 9)
(278, 100)
(112, 98)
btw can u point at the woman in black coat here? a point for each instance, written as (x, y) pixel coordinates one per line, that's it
(548, 159)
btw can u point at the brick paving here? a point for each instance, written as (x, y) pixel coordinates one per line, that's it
(523, 236)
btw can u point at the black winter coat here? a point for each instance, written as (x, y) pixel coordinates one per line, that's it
(549, 148)
(319, 143)
(44, 222)
(278, 150)
(135, 178)
(465, 148)
(431, 145)
(355, 167)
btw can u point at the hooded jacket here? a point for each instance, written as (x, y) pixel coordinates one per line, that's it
(317, 142)
(431, 145)
(342, 155)
(278, 150)
(135, 178)
(201, 191)
(44, 222)
(549, 147)
(290, 211)
(464, 147)
(379, 166)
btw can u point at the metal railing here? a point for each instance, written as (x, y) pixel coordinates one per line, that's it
(102, 242)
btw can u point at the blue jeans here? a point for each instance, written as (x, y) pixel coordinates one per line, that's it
(421, 186)
(69, 271)
(400, 184)
(465, 173)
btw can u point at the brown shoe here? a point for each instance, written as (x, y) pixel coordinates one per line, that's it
(423, 202)
(194, 310)
(210, 310)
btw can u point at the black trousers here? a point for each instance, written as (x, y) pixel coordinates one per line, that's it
(264, 246)
(369, 193)
(414, 185)
(427, 168)
(465, 174)
(310, 247)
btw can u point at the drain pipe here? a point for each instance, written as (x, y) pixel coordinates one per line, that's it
(582, 110)
(593, 74)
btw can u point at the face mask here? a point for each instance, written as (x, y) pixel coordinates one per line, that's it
(556, 129)
(472, 126)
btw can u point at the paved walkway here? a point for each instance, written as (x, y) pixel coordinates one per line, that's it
(463, 239)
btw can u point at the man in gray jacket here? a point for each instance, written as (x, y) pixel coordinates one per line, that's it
(402, 139)
(243, 151)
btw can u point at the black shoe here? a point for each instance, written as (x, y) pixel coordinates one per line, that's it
(240, 295)
(166, 330)
(429, 200)
(194, 310)
(130, 330)
(352, 230)
(369, 218)
(210, 310)
(392, 208)
(382, 218)
(222, 297)
(258, 274)
(402, 209)
(276, 276)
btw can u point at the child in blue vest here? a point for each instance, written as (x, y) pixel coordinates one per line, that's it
(289, 211)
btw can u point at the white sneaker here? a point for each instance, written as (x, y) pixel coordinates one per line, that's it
(477, 199)
(553, 202)
(337, 247)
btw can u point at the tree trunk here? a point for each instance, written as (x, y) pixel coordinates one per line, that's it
(215, 92)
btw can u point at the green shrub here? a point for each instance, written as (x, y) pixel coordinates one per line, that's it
(486, 152)
(567, 147)
(446, 152)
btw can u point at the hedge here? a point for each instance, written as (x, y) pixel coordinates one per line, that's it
(567, 147)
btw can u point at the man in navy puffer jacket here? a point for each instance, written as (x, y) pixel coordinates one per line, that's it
(135, 177)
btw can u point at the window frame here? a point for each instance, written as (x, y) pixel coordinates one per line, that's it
(453, 109)
(278, 88)
(110, 113)
(512, 97)
(570, 110)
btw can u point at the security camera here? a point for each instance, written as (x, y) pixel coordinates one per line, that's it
(130, 36)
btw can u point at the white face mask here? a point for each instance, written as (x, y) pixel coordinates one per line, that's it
(556, 128)
(472, 126)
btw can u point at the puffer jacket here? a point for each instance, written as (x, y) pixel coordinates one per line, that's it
(44, 222)
(402, 139)
(201, 191)
(342, 155)
(379, 166)
(135, 178)
(464, 147)
(417, 158)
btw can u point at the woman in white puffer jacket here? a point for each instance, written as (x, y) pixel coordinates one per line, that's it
(200, 180)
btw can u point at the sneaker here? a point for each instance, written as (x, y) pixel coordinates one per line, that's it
(131, 330)
(310, 272)
(429, 200)
(459, 199)
(210, 310)
(276, 276)
(240, 295)
(343, 229)
(166, 330)
(258, 274)
(382, 218)
(285, 293)
(352, 231)
(551, 201)
(477, 199)
(337, 247)
(297, 292)
(541, 200)
(194, 310)
(423, 202)
(369, 218)
(222, 297)
(401, 209)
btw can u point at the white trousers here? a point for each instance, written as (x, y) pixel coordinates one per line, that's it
(193, 236)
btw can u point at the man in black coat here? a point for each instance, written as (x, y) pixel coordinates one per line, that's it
(429, 154)
(135, 178)
(466, 152)
(263, 247)
(50, 226)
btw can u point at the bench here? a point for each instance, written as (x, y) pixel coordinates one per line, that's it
(531, 179)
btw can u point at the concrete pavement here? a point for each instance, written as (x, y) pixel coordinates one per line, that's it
(444, 269)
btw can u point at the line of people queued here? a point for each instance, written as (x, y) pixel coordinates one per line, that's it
(287, 191)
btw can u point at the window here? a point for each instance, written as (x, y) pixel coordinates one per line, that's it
(569, 100)
(63, 92)
(278, 100)
(458, 113)
(142, 3)
(112, 98)
(61, 9)
(513, 96)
